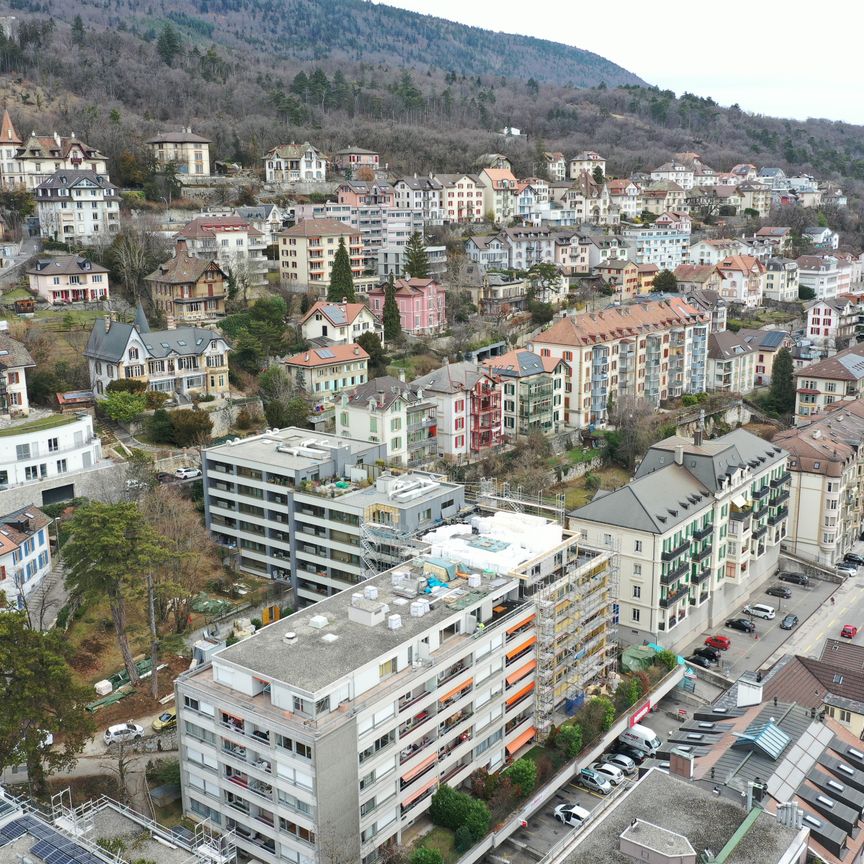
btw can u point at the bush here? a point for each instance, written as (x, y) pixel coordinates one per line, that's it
(569, 740)
(248, 417)
(126, 385)
(161, 430)
(689, 399)
(668, 659)
(257, 623)
(422, 855)
(523, 775)
(123, 407)
(478, 818)
(156, 398)
(463, 839)
(190, 427)
(449, 808)
(592, 481)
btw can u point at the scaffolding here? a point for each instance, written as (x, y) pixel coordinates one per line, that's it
(383, 546)
(502, 496)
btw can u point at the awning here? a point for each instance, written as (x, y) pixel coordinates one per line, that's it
(457, 689)
(520, 693)
(739, 500)
(421, 791)
(527, 644)
(521, 624)
(419, 769)
(521, 741)
(521, 672)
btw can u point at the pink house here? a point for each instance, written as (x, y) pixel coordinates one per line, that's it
(421, 305)
(364, 193)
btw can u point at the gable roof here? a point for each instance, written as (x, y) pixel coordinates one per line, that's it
(741, 264)
(328, 356)
(338, 314)
(205, 227)
(184, 136)
(7, 130)
(453, 378)
(383, 391)
(110, 345)
(845, 365)
(64, 265)
(698, 273)
(183, 268)
(319, 228)
(727, 345)
(408, 287)
(69, 178)
(291, 151)
(521, 363)
(13, 355)
(764, 340)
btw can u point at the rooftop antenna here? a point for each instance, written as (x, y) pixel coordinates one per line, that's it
(700, 429)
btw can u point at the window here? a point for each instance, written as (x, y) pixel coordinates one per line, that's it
(637, 591)
(22, 451)
(638, 546)
(634, 615)
(387, 668)
(53, 445)
(637, 569)
(844, 716)
(61, 466)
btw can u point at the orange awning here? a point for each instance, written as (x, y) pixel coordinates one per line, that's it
(521, 741)
(522, 647)
(521, 624)
(521, 672)
(418, 792)
(418, 769)
(457, 689)
(519, 694)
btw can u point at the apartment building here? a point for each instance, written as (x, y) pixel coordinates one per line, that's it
(499, 193)
(461, 197)
(78, 207)
(334, 729)
(622, 277)
(675, 172)
(68, 279)
(187, 152)
(307, 251)
(352, 159)
(819, 273)
(655, 350)
(714, 251)
(234, 243)
(307, 508)
(533, 391)
(697, 530)
(781, 280)
(826, 460)
(766, 344)
(48, 449)
(468, 403)
(556, 165)
(184, 360)
(742, 280)
(339, 322)
(25, 554)
(421, 305)
(186, 289)
(586, 162)
(665, 243)
(399, 415)
(324, 373)
(626, 196)
(709, 301)
(731, 363)
(421, 195)
(292, 163)
(838, 379)
(832, 323)
(664, 196)
(360, 193)
(266, 218)
(15, 360)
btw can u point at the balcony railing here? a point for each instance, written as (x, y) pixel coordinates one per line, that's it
(678, 550)
(783, 478)
(673, 597)
(702, 533)
(779, 516)
(677, 573)
(760, 493)
(702, 554)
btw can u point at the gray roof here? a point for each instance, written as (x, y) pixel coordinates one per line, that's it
(765, 340)
(663, 805)
(725, 345)
(451, 378)
(67, 179)
(159, 343)
(384, 391)
(262, 211)
(65, 265)
(181, 137)
(529, 364)
(13, 355)
(421, 184)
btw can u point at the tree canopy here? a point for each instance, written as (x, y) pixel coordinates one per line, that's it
(392, 318)
(782, 393)
(665, 280)
(341, 279)
(415, 258)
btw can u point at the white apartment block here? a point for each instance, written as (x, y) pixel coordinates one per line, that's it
(556, 166)
(63, 279)
(47, 449)
(655, 350)
(25, 554)
(674, 172)
(187, 152)
(422, 195)
(832, 323)
(826, 460)
(781, 280)
(308, 249)
(838, 379)
(819, 273)
(665, 244)
(731, 363)
(461, 197)
(299, 507)
(237, 246)
(78, 207)
(697, 530)
(333, 728)
(586, 162)
(340, 322)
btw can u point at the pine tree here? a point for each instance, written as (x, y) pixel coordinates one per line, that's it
(390, 313)
(168, 45)
(341, 280)
(416, 264)
(782, 395)
(78, 30)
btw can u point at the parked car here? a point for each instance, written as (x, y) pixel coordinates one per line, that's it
(741, 624)
(572, 814)
(594, 782)
(795, 578)
(761, 610)
(779, 591)
(166, 720)
(187, 473)
(712, 654)
(788, 622)
(848, 569)
(719, 641)
(852, 558)
(620, 761)
(633, 753)
(696, 660)
(614, 775)
(849, 631)
(123, 732)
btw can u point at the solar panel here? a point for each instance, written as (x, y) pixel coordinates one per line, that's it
(324, 353)
(43, 849)
(13, 830)
(60, 856)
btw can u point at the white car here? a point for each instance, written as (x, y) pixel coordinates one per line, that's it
(614, 775)
(620, 761)
(123, 732)
(187, 473)
(846, 567)
(572, 814)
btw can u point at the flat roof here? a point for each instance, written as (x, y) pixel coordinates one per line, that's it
(315, 659)
(300, 448)
(412, 488)
(670, 804)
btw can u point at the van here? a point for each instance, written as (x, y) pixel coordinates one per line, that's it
(760, 610)
(594, 782)
(641, 738)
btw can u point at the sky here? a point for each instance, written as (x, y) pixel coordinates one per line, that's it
(769, 57)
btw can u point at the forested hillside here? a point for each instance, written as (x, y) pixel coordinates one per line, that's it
(253, 73)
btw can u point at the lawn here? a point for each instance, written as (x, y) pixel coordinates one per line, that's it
(441, 839)
(38, 425)
(67, 319)
(577, 493)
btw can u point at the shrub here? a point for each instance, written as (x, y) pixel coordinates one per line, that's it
(689, 399)
(248, 417)
(155, 398)
(478, 818)
(123, 407)
(668, 659)
(448, 808)
(422, 855)
(523, 775)
(190, 427)
(592, 481)
(257, 623)
(569, 740)
(126, 385)
(463, 839)
(161, 430)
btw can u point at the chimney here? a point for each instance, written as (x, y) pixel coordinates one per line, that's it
(170, 323)
(356, 351)
(681, 763)
(402, 375)
(679, 454)
(700, 429)
(107, 320)
(57, 139)
(790, 815)
(181, 247)
(749, 691)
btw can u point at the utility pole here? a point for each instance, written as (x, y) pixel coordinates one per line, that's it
(154, 638)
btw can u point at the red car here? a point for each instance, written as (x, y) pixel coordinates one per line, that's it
(718, 641)
(848, 631)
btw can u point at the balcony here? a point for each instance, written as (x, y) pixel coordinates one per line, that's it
(681, 570)
(779, 516)
(701, 555)
(673, 597)
(678, 550)
(759, 531)
(760, 493)
(700, 576)
(779, 499)
(759, 508)
(783, 478)
(702, 533)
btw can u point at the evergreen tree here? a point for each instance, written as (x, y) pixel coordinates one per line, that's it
(782, 395)
(390, 314)
(341, 280)
(168, 45)
(665, 280)
(416, 264)
(78, 30)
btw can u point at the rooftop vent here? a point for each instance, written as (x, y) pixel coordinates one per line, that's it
(394, 622)
(319, 622)
(289, 638)
(329, 637)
